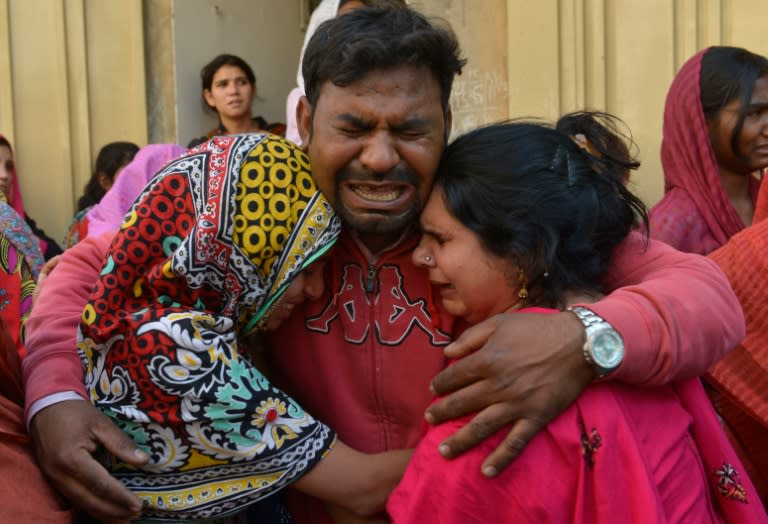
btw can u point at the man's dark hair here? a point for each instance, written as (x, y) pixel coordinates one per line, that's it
(346, 48)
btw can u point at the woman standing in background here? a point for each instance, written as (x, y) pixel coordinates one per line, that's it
(715, 141)
(229, 87)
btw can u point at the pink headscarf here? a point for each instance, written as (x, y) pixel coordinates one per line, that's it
(695, 214)
(108, 214)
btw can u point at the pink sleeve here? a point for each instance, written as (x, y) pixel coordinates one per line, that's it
(676, 312)
(52, 364)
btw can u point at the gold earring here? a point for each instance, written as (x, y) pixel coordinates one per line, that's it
(523, 291)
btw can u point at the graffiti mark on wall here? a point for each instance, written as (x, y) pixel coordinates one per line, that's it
(479, 97)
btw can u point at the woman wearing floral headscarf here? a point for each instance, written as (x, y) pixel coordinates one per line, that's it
(20, 264)
(217, 247)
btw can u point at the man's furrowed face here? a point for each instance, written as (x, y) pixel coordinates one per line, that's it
(374, 146)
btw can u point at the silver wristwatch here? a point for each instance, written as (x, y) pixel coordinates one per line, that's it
(604, 347)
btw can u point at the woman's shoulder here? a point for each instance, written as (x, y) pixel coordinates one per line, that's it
(674, 219)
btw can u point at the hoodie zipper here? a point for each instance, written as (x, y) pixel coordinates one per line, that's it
(370, 281)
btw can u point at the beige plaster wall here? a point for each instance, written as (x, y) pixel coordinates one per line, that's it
(545, 58)
(480, 95)
(71, 80)
(160, 60)
(618, 56)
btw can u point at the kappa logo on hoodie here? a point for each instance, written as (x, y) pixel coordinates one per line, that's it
(404, 316)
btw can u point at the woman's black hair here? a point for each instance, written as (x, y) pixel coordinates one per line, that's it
(209, 70)
(112, 157)
(383, 4)
(610, 139)
(536, 198)
(728, 74)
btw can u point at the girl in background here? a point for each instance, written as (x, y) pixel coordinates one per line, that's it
(112, 158)
(229, 87)
(108, 214)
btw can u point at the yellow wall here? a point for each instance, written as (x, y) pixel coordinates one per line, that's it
(618, 56)
(480, 94)
(71, 80)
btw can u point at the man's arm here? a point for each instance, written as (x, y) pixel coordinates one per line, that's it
(66, 434)
(51, 364)
(676, 313)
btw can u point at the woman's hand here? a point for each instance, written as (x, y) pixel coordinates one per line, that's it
(358, 482)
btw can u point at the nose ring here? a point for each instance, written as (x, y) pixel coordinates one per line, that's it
(427, 258)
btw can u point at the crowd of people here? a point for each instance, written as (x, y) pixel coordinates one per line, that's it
(350, 319)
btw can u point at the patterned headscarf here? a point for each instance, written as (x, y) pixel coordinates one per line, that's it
(695, 214)
(108, 214)
(201, 258)
(23, 240)
(20, 264)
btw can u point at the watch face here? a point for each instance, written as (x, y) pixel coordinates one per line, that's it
(607, 349)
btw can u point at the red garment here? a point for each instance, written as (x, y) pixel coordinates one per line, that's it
(676, 312)
(605, 459)
(741, 377)
(695, 214)
(26, 495)
(19, 258)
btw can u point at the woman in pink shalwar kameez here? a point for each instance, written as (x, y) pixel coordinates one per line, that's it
(524, 220)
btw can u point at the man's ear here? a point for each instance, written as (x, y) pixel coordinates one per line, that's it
(448, 123)
(304, 121)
